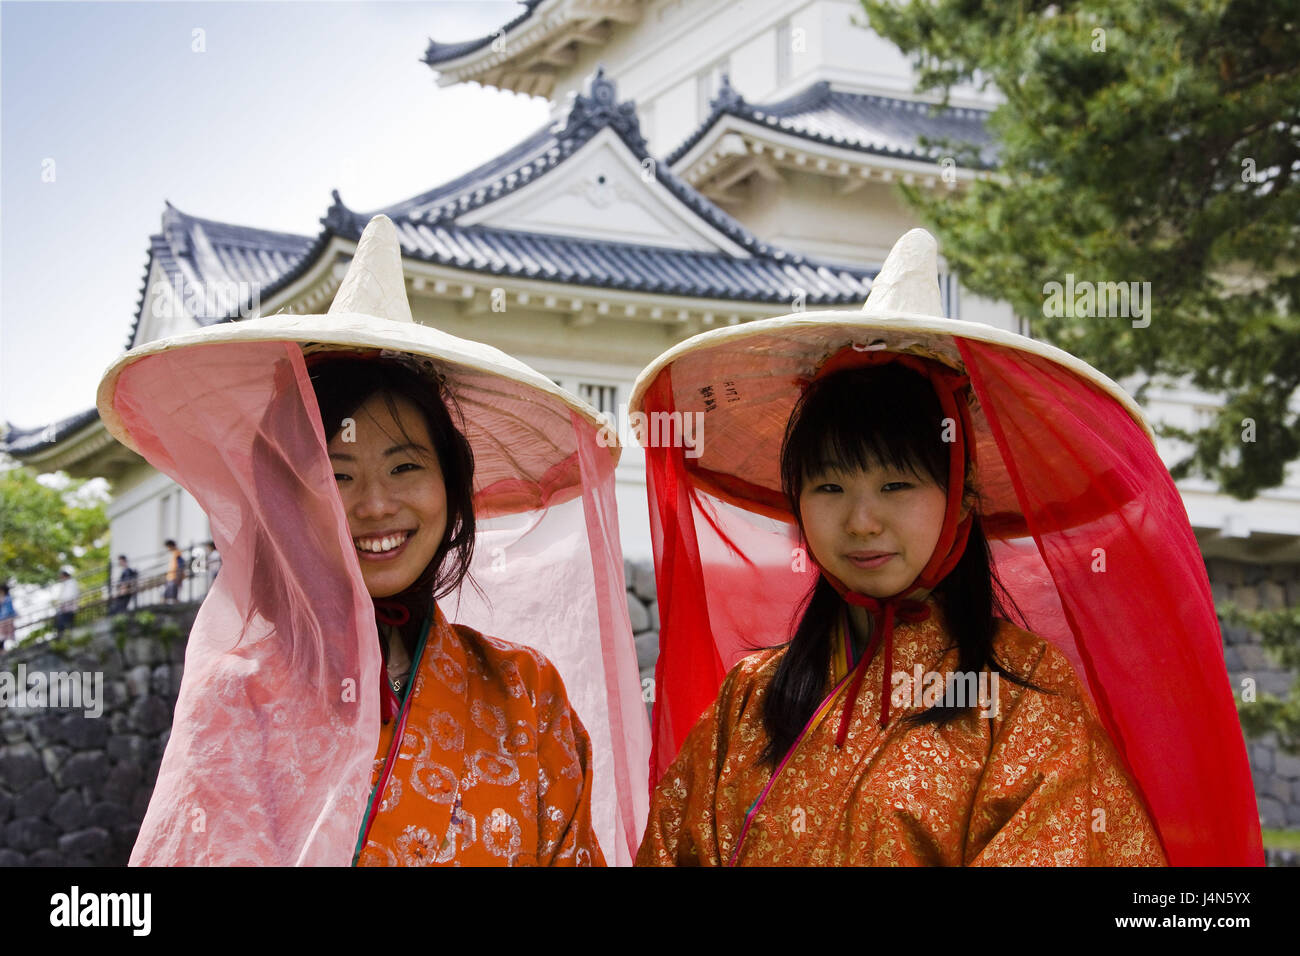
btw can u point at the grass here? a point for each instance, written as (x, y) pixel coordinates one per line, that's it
(1282, 839)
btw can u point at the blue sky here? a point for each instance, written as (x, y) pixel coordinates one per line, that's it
(285, 102)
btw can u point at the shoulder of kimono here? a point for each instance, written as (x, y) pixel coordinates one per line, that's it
(503, 660)
(751, 675)
(1035, 659)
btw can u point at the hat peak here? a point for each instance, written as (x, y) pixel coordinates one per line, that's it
(909, 279)
(375, 283)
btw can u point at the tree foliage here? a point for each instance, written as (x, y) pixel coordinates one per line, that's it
(1140, 141)
(43, 528)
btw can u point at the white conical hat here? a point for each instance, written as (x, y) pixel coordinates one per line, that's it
(516, 419)
(742, 379)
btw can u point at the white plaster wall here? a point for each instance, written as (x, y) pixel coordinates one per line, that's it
(139, 522)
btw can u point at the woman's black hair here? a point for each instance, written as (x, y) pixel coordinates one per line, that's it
(855, 419)
(342, 386)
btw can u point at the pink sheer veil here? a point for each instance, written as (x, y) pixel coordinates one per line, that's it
(277, 721)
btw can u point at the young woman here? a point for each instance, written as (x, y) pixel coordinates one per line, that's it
(502, 770)
(330, 712)
(991, 637)
(824, 752)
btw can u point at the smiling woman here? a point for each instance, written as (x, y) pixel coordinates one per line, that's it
(331, 711)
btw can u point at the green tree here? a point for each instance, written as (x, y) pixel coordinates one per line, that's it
(43, 527)
(1140, 141)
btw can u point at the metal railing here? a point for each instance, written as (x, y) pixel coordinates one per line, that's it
(99, 597)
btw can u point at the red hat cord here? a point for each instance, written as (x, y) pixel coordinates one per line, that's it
(948, 550)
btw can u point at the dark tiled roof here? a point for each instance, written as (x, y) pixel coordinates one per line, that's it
(872, 124)
(427, 225)
(200, 256)
(21, 442)
(202, 250)
(442, 52)
(634, 267)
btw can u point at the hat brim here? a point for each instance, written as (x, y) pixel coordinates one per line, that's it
(742, 383)
(498, 394)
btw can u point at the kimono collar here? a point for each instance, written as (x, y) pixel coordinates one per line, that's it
(950, 387)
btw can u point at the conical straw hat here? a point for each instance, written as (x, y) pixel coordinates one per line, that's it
(516, 419)
(742, 381)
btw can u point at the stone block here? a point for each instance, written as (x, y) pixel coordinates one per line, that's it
(92, 843)
(127, 832)
(637, 613)
(1275, 786)
(1236, 634)
(1255, 574)
(150, 715)
(49, 858)
(1245, 597)
(11, 858)
(653, 610)
(84, 732)
(644, 584)
(1255, 658)
(141, 651)
(1277, 683)
(115, 694)
(1272, 812)
(29, 834)
(108, 815)
(69, 811)
(6, 806)
(20, 765)
(132, 747)
(83, 769)
(122, 783)
(1261, 757)
(161, 684)
(647, 650)
(1286, 765)
(13, 732)
(36, 800)
(138, 680)
(52, 757)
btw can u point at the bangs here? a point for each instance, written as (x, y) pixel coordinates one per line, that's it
(887, 416)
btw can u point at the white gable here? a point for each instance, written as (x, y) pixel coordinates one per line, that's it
(164, 311)
(602, 192)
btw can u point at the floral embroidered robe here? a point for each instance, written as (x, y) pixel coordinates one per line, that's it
(493, 766)
(1037, 783)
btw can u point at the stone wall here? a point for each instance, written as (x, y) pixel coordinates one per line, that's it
(73, 787)
(643, 610)
(1261, 587)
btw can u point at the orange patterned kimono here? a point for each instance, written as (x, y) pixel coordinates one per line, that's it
(1039, 783)
(493, 767)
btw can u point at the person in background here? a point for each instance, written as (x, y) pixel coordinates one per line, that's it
(175, 571)
(213, 562)
(124, 593)
(7, 615)
(68, 594)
